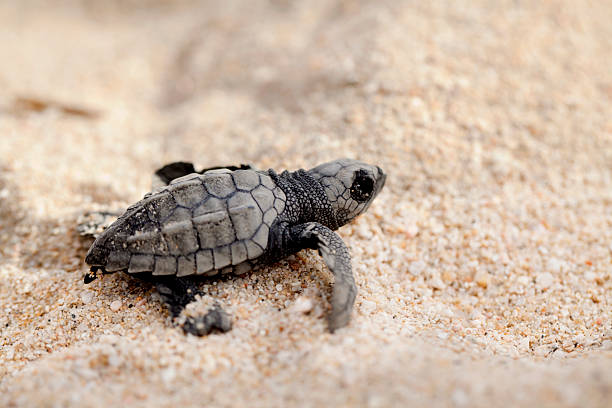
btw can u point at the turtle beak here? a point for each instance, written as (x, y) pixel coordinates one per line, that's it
(382, 178)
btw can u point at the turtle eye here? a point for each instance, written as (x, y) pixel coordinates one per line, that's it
(362, 187)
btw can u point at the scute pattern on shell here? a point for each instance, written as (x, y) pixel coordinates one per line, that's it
(201, 224)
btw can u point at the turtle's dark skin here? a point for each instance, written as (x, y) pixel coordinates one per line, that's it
(232, 220)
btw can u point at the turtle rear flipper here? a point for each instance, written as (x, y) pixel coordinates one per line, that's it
(178, 293)
(215, 320)
(171, 171)
(91, 276)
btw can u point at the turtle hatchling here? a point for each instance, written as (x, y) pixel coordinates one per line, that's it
(233, 220)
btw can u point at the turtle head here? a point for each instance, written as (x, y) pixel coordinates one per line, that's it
(350, 186)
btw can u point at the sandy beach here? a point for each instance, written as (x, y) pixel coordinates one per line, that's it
(484, 267)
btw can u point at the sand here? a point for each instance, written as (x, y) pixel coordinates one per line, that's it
(484, 267)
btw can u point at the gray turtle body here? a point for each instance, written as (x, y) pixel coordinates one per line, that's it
(200, 224)
(229, 220)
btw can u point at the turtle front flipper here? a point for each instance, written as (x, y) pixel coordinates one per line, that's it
(337, 258)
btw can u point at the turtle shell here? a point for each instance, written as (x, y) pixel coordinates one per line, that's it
(199, 224)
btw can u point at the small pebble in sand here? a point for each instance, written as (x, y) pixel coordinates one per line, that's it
(115, 305)
(302, 305)
(483, 279)
(86, 297)
(368, 306)
(417, 267)
(544, 280)
(437, 283)
(412, 230)
(459, 397)
(522, 280)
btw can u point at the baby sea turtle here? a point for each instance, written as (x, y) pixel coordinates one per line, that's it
(232, 220)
